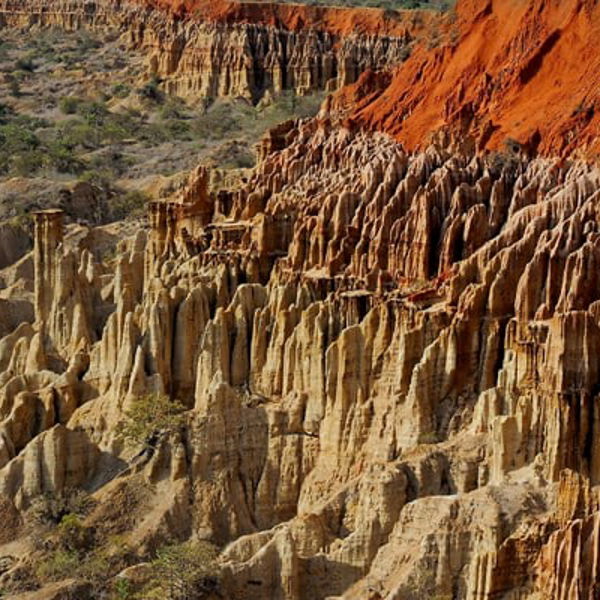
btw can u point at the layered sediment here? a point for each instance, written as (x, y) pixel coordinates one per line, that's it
(512, 75)
(235, 54)
(409, 350)
(389, 362)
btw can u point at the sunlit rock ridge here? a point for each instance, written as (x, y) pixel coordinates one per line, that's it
(389, 358)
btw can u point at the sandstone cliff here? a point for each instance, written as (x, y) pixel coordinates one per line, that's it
(407, 352)
(236, 55)
(510, 74)
(389, 363)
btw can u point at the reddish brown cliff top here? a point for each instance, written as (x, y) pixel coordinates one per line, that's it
(336, 20)
(527, 70)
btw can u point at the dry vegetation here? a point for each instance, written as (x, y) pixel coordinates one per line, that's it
(79, 107)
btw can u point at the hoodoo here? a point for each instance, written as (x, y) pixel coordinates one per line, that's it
(48, 237)
(367, 367)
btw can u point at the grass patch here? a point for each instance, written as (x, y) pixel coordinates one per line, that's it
(72, 109)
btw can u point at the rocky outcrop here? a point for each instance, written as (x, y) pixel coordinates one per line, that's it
(501, 96)
(15, 242)
(57, 459)
(567, 565)
(388, 360)
(202, 57)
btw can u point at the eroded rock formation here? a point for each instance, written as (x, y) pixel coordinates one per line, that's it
(238, 55)
(494, 80)
(378, 351)
(389, 362)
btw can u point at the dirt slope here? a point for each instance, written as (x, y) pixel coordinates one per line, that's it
(518, 70)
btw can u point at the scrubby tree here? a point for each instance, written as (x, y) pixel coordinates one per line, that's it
(148, 417)
(184, 571)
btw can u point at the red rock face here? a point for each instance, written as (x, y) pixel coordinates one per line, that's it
(522, 71)
(297, 17)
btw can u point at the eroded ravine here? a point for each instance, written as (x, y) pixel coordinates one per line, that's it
(388, 360)
(237, 55)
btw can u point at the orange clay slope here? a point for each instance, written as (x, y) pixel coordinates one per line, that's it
(335, 20)
(525, 71)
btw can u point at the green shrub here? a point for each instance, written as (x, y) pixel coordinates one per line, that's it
(61, 157)
(148, 416)
(86, 42)
(94, 113)
(78, 558)
(122, 588)
(233, 155)
(129, 205)
(75, 132)
(15, 87)
(174, 108)
(154, 134)
(113, 131)
(28, 122)
(184, 571)
(73, 535)
(16, 138)
(121, 90)
(51, 508)
(101, 178)
(151, 91)
(27, 163)
(25, 64)
(68, 105)
(179, 130)
(60, 564)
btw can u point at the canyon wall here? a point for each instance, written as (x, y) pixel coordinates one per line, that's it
(201, 59)
(510, 74)
(388, 359)
(391, 385)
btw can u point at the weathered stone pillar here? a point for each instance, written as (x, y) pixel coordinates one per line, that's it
(48, 236)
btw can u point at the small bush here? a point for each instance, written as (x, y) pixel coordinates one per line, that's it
(75, 132)
(86, 42)
(60, 564)
(122, 589)
(62, 158)
(73, 535)
(51, 508)
(68, 105)
(15, 88)
(154, 134)
(27, 164)
(176, 129)
(151, 91)
(25, 64)
(110, 159)
(16, 139)
(129, 205)
(174, 108)
(148, 416)
(184, 571)
(94, 113)
(121, 90)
